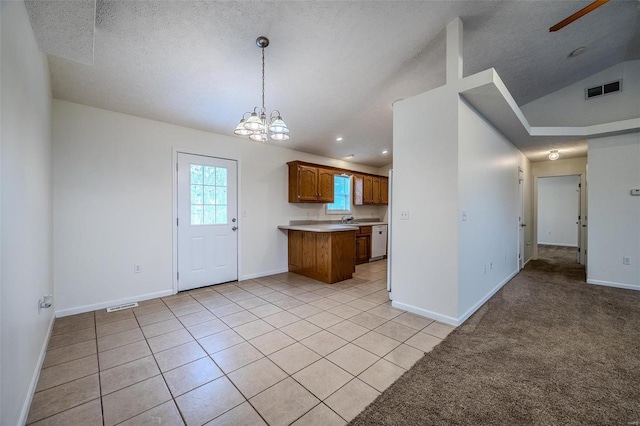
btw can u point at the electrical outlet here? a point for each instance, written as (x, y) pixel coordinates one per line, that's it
(491, 266)
(465, 216)
(404, 214)
(626, 260)
(137, 269)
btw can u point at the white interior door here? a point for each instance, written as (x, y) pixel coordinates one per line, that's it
(207, 221)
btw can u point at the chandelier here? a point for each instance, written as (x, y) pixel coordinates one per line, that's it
(256, 126)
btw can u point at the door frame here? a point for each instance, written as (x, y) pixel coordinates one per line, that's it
(582, 208)
(174, 208)
(521, 231)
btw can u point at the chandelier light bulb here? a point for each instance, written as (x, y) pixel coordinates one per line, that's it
(254, 123)
(241, 130)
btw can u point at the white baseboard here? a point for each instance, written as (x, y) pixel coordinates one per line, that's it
(612, 284)
(448, 319)
(424, 313)
(103, 305)
(557, 244)
(36, 375)
(525, 263)
(488, 296)
(263, 274)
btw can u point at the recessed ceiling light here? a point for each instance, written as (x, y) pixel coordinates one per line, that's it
(339, 139)
(385, 151)
(579, 51)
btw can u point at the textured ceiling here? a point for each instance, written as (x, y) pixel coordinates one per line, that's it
(332, 69)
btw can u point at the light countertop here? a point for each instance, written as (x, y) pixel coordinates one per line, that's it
(324, 227)
(329, 227)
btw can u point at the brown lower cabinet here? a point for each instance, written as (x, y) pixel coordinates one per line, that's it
(325, 256)
(363, 245)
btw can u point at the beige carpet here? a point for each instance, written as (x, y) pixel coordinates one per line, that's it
(547, 349)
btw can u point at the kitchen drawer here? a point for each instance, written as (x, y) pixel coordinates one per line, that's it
(364, 230)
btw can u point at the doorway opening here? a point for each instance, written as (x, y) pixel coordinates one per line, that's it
(560, 219)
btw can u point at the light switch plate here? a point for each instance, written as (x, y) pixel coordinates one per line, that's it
(404, 214)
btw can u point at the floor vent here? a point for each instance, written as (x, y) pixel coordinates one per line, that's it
(123, 306)
(604, 89)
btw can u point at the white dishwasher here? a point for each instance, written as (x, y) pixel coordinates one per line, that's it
(378, 241)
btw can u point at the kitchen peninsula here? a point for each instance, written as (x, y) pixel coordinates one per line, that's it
(324, 252)
(328, 252)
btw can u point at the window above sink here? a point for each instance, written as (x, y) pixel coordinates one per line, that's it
(341, 195)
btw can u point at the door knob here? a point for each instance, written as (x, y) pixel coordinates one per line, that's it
(234, 228)
(522, 225)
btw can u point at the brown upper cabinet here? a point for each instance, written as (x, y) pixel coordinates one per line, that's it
(313, 183)
(375, 190)
(310, 183)
(368, 190)
(384, 190)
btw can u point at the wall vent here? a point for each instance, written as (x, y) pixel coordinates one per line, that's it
(603, 89)
(123, 306)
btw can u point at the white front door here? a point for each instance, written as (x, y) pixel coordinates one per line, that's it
(207, 221)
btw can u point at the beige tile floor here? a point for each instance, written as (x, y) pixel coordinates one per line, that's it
(277, 350)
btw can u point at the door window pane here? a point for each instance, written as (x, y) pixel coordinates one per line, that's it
(209, 175)
(221, 176)
(196, 174)
(209, 214)
(196, 194)
(208, 195)
(221, 196)
(196, 215)
(221, 214)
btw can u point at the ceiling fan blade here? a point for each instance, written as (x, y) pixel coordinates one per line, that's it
(579, 14)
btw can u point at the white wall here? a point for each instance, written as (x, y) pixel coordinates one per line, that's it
(558, 210)
(568, 106)
(113, 203)
(425, 183)
(488, 193)
(614, 214)
(453, 161)
(26, 227)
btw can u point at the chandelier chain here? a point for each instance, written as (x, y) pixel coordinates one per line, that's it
(263, 79)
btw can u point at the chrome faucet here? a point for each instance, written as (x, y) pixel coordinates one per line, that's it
(346, 219)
